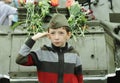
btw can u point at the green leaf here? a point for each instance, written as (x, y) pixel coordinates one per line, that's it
(16, 25)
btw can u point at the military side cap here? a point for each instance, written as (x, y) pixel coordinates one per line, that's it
(57, 21)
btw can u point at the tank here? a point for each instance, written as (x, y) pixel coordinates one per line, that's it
(99, 49)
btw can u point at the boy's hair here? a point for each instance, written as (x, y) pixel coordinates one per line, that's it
(58, 21)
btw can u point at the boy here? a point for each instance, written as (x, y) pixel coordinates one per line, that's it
(57, 63)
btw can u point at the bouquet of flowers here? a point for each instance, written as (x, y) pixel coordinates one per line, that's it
(36, 12)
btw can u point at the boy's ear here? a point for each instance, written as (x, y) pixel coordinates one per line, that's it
(69, 35)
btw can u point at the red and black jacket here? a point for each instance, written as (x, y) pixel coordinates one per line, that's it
(54, 64)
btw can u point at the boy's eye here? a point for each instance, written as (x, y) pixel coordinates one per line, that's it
(57, 32)
(52, 33)
(61, 33)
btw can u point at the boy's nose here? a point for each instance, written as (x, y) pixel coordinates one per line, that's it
(56, 36)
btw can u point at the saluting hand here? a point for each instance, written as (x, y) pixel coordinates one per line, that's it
(39, 35)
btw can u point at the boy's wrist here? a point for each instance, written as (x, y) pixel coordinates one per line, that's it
(34, 38)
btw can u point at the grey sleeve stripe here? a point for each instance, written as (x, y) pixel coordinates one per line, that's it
(25, 50)
(78, 61)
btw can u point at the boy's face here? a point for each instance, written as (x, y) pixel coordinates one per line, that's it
(59, 36)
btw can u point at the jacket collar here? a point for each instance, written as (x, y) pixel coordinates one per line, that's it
(60, 49)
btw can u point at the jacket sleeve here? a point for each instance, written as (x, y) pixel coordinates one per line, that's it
(25, 56)
(78, 70)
